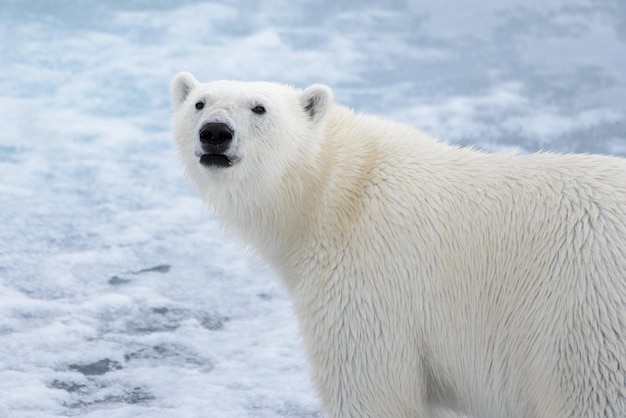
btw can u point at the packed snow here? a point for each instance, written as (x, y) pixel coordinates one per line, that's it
(119, 294)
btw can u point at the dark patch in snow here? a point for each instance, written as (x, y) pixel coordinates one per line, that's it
(167, 319)
(71, 387)
(96, 369)
(169, 354)
(161, 268)
(116, 280)
(213, 322)
(161, 311)
(265, 296)
(134, 395)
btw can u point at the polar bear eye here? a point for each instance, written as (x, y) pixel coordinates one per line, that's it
(259, 110)
(200, 105)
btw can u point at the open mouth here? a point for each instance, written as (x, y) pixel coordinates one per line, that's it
(215, 160)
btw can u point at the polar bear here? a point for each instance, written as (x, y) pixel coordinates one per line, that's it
(425, 277)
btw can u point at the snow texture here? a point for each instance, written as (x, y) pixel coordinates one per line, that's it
(119, 294)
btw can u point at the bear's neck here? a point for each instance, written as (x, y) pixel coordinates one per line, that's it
(276, 222)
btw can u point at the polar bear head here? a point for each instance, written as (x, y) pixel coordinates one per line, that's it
(231, 128)
(249, 146)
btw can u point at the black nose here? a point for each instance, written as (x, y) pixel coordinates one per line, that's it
(215, 134)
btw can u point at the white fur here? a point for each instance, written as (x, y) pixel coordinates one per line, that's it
(423, 275)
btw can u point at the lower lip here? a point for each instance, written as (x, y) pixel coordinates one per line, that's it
(215, 160)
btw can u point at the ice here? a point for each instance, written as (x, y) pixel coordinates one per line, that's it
(119, 294)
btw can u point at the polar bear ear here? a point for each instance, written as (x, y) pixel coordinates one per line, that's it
(181, 85)
(316, 101)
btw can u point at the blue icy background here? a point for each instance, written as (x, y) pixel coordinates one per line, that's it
(119, 294)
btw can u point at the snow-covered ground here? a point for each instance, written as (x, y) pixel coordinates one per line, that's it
(119, 295)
